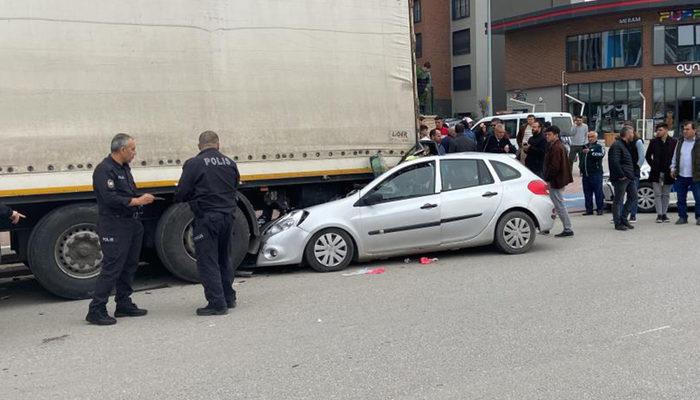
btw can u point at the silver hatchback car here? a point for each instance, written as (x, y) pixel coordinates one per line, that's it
(425, 205)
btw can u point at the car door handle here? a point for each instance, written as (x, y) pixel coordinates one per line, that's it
(489, 194)
(428, 206)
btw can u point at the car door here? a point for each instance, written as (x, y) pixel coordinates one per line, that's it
(406, 214)
(512, 127)
(469, 199)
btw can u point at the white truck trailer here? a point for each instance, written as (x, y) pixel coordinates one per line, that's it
(301, 92)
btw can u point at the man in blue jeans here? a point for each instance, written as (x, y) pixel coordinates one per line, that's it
(685, 168)
(636, 149)
(622, 177)
(591, 167)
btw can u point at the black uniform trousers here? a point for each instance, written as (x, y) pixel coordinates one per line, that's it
(120, 239)
(212, 236)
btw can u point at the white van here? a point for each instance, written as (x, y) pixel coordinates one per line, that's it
(513, 122)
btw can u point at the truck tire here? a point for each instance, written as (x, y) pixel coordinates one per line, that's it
(176, 249)
(64, 251)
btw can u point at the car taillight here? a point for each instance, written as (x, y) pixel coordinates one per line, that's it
(538, 187)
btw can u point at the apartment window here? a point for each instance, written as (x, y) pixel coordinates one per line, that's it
(462, 78)
(417, 11)
(460, 9)
(604, 50)
(461, 43)
(419, 45)
(676, 44)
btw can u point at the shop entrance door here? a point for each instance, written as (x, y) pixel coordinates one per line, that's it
(688, 110)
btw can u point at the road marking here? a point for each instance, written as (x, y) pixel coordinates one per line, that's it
(648, 331)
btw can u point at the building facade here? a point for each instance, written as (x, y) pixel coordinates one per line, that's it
(431, 21)
(451, 36)
(610, 55)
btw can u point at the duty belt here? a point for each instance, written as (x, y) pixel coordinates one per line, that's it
(135, 215)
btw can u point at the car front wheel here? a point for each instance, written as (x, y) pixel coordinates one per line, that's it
(645, 197)
(330, 250)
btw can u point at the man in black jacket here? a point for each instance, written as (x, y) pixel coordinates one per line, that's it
(499, 142)
(536, 148)
(120, 230)
(659, 156)
(209, 184)
(622, 177)
(6, 213)
(460, 143)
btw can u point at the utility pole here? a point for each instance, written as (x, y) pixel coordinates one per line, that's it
(489, 69)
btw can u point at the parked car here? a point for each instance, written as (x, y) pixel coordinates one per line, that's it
(512, 122)
(645, 192)
(429, 204)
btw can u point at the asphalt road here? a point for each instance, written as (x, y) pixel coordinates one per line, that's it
(603, 315)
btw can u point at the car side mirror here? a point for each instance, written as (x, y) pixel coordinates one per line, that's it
(372, 199)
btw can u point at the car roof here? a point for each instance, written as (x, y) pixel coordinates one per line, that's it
(464, 155)
(524, 115)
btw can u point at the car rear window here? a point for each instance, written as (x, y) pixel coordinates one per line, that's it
(505, 172)
(462, 174)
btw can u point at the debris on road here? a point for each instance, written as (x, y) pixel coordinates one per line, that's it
(366, 271)
(426, 260)
(55, 338)
(152, 287)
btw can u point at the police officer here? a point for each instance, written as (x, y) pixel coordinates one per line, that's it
(120, 231)
(6, 213)
(209, 183)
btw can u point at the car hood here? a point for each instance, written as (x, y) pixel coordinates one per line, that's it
(334, 204)
(643, 172)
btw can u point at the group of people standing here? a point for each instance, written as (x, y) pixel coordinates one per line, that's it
(671, 161)
(550, 154)
(208, 185)
(463, 137)
(539, 148)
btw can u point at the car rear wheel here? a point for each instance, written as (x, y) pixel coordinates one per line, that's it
(515, 233)
(330, 250)
(645, 197)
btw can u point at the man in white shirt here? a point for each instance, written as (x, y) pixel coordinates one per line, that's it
(685, 168)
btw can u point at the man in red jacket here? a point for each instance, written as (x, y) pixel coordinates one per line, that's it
(557, 174)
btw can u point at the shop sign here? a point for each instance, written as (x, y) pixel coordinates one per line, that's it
(688, 69)
(679, 15)
(629, 20)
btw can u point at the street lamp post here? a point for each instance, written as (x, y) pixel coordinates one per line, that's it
(489, 68)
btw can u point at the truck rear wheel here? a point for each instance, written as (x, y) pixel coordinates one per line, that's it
(64, 251)
(176, 248)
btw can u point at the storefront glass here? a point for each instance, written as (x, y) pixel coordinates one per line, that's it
(608, 104)
(676, 44)
(676, 100)
(604, 50)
